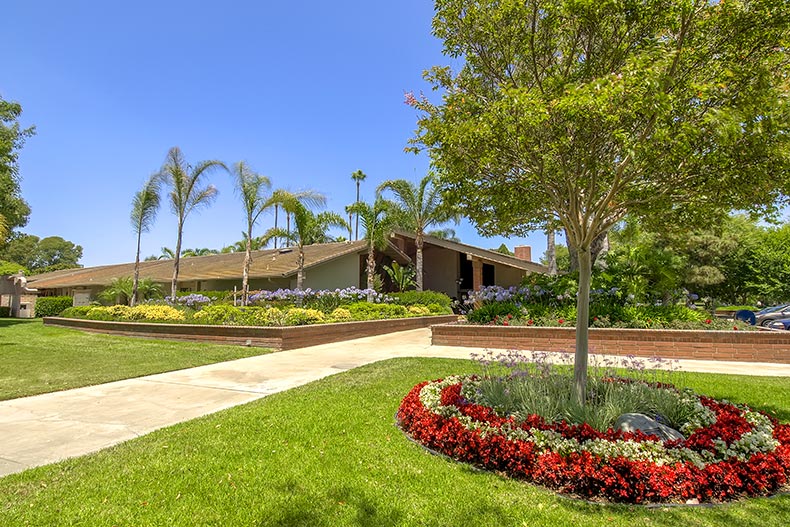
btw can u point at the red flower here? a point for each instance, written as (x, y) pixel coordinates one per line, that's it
(735, 328)
(561, 321)
(530, 322)
(707, 321)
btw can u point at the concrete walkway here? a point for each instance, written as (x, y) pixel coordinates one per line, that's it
(47, 428)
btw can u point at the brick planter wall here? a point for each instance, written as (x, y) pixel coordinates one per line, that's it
(748, 346)
(281, 338)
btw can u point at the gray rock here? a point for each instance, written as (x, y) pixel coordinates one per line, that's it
(646, 425)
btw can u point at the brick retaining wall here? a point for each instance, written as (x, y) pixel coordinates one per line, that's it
(281, 338)
(748, 346)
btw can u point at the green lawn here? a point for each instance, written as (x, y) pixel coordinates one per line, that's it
(38, 359)
(328, 453)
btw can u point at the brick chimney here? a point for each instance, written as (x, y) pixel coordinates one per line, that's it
(523, 252)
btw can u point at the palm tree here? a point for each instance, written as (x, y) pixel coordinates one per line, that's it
(378, 220)
(420, 208)
(121, 290)
(145, 205)
(251, 188)
(298, 205)
(202, 251)
(445, 234)
(359, 177)
(167, 254)
(186, 194)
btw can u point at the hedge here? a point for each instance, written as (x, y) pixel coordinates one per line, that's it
(52, 306)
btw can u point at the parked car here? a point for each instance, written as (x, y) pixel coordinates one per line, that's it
(782, 323)
(766, 316)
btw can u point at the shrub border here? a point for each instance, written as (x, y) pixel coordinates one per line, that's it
(279, 338)
(743, 346)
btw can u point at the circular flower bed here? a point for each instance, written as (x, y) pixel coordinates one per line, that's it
(730, 452)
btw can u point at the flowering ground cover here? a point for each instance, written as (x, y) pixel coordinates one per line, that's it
(329, 454)
(730, 451)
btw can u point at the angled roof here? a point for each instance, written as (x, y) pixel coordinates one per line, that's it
(483, 254)
(271, 263)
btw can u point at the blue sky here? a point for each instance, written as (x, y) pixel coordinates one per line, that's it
(306, 95)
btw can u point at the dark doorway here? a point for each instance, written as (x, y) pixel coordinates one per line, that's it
(488, 274)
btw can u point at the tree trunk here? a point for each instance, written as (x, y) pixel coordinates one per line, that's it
(245, 276)
(598, 247)
(176, 262)
(371, 271)
(356, 236)
(418, 241)
(276, 211)
(300, 268)
(582, 323)
(551, 251)
(350, 234)
(133, 300)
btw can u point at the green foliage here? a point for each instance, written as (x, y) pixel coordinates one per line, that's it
(52, 306)
(489, 312)
(13, 209)
(41, 255)
(425, 298)
(76, 312)
(579, 113)
(5, 311)
(341, 314)
(402, 278)
(297, 316)
(9, 268)
(120, 290)
(224, 314)
(369, 311)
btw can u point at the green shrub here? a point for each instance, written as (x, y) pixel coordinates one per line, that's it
(419, 311)
(488, 312)
(76, 311)
(341, 314)
(222, 314)
(424, 298)
(368, 311)
(52, 306)
(437, 309)
(5, 311)
(151, 313)
(298, 316)
(107, 313)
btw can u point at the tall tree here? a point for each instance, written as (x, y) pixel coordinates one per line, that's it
(186, 194)
(251, 188)
(13, 208)
(145, 205)
(420, 207)
(358, 177)
(378, 220)
(444, 234)
(579, 112)
(298, 205)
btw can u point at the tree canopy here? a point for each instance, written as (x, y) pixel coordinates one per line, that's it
(13, 209)
(41, 255)
(578, 112)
